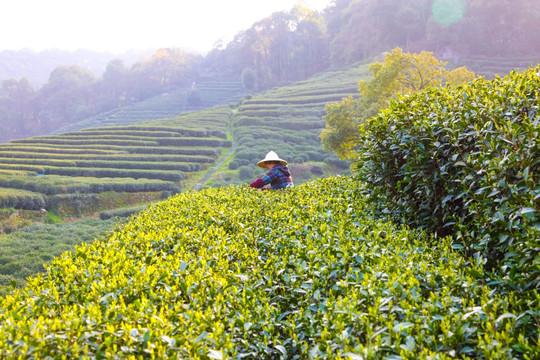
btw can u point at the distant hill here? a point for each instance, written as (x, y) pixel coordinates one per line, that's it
(37, 66)
(206, 93)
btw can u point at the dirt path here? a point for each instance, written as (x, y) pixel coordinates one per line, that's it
(203, 181)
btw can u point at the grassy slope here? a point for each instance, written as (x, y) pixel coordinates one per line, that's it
(331, 82)
(25, 252)
(167, 150)
(490, 67)
(444, 307)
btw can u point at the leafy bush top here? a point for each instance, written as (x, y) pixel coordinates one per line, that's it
(238, 273)
(464, 162)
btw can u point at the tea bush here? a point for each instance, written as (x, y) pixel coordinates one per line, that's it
(21, 199)
(121, 213)
(64, 140)
(236, 273)
(464, 162)
(168, 175)
(56, 184)
(33, 246)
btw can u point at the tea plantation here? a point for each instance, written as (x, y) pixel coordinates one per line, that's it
(206, 93)
(112, 171)
(428, 251)
(153, 157)
(238, 273)
(289, 120)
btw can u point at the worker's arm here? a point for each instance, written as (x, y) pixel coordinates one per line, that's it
(259, 183)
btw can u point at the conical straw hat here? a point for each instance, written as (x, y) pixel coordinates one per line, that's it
(271, 156)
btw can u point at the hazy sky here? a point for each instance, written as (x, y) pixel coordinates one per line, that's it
(119, 25)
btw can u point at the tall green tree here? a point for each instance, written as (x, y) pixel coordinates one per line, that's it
(249, 79)
(399, 73)
(114, 83)
(68, 96)
(17, 108)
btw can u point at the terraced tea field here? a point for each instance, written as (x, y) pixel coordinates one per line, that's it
(139, 158)
(206, 93)
(162, 155)
(289, 121)
(490, 67)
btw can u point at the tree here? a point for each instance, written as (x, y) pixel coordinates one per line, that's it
(402, 73)
(363, 28)
(249, 79)
(17, 108)
(399, 73)
(114, 84)
(342, 121)
(459, 76)
(66, 97)
(282, 48)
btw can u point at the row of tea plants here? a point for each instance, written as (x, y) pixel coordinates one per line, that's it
(237, 273)
(464, 162)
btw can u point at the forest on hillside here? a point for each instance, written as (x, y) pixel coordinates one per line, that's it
(280, 49)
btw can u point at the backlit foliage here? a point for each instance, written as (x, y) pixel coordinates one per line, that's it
(238, 273)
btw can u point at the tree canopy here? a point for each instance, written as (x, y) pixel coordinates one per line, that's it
(398, 73)
(289, 46)
(73, 93)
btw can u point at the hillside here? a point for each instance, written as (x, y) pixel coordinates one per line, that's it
(37, 66)
(107, 153)
(206, 93)
(288, 120)
(432, 256)
(489, 67)
(116, 171)
(129, 159)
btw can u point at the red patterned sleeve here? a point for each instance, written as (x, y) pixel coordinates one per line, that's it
(257, 184)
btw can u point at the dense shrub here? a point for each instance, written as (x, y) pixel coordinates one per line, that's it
(233, 165)
(22, 199)
(83, 141)
(245, 172)
(173, 150)
(126, 131)
(10, 268)
(38, 162)
(246, 154)
(121, 213)
(33, 247)
(9, 173)
(334, 161)
(144, 130)
(69, 159)
(139, 165)
(74, 204)
(215, 275)
(125, 173)
(317, 170)
(53, 184)
(464, 162)
(300, 158)
(185, 141)
(30, 149)
(315, 155)
(23, 167)
(155, 158)
(165, 195)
